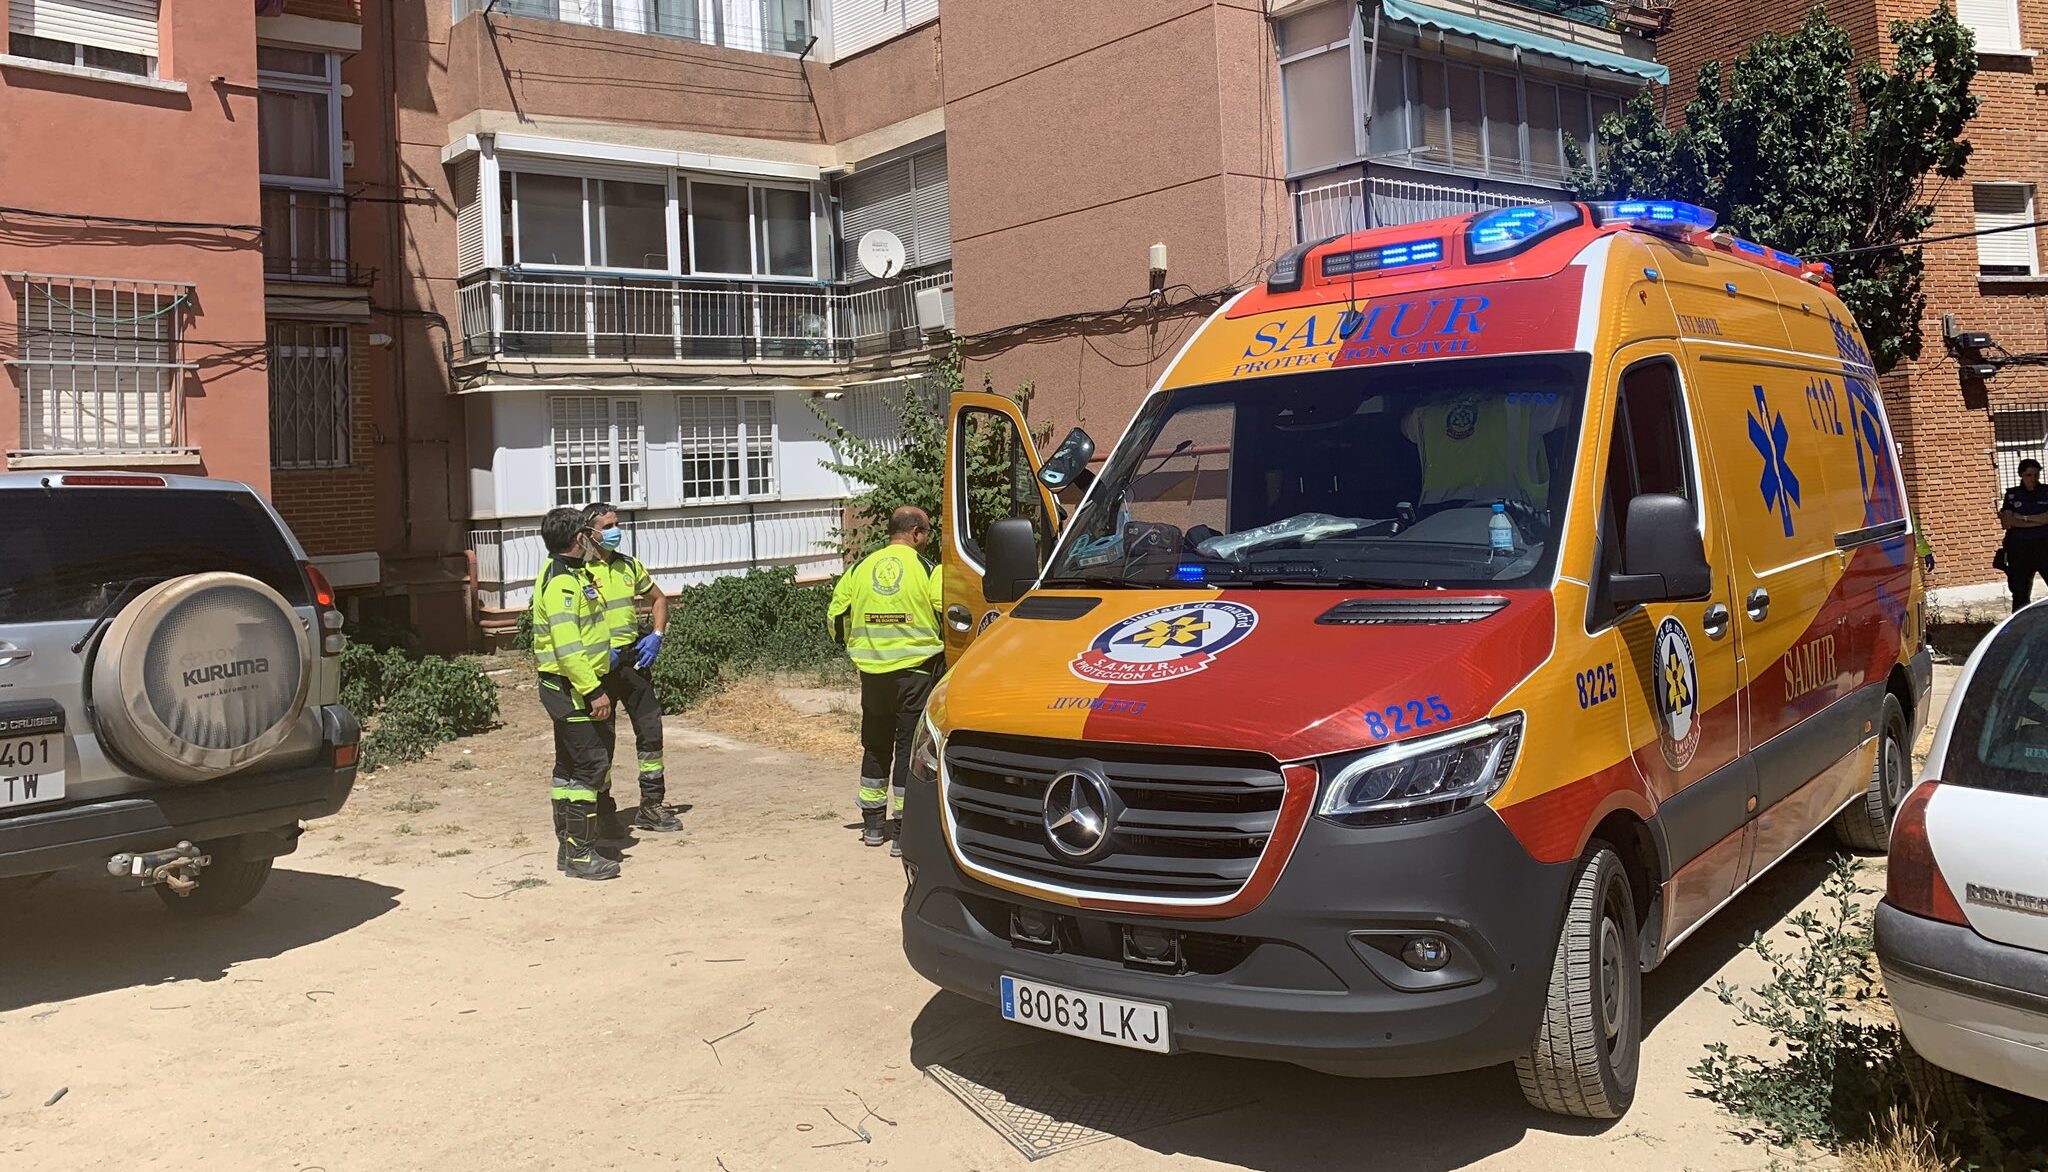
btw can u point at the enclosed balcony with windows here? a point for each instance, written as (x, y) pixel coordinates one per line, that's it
(299, 147)
(759, 26)
(578, 259)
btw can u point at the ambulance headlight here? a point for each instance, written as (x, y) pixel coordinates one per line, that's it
(924, 751)
(1423, 778)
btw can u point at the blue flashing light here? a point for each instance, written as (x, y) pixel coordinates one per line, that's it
(1190, 573)
(1386, 256)
(1497, 234)
(1656, 215)
(1751, 248)
(1787, 259)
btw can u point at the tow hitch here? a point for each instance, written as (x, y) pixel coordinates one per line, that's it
(176, 868)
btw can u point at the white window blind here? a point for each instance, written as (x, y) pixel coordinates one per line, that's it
(469, 217)
(127, 26)
(908, 197)
(1996, 22)
(863, 24)
(2010, 253)
(100, 369)
(728, 448)
(597, 450)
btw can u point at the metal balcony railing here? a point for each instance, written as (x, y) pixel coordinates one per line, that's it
(758, 26)
(1354, 205)
(509, 313)
(305, 235)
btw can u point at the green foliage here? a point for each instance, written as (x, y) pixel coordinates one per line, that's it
(410, 704)
(1807, 150)
(912, 470)
(725, 628)
(1833, 1066)
(1835, 1076)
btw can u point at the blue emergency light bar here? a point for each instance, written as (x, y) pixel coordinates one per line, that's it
(1497, 235)
(1190, 572)
(1666, 216)
(1386, 256)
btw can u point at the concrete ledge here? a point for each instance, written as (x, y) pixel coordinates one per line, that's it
(108, 460)
(36, 65)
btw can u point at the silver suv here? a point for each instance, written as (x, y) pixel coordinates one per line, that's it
(169, 684)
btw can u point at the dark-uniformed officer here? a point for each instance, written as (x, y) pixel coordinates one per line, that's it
(572, 648)
(885, 612)
(2024, 514)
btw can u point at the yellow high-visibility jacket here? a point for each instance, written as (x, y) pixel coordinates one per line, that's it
(885, 611)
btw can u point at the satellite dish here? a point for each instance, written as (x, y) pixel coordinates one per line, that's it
(882, 253)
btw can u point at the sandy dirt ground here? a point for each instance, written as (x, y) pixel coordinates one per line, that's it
(417, 988)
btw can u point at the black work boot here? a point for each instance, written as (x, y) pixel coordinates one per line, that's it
(871, 827)
(561, 836)
(609, 828)
(657, 817)
(580, 859)
(896, 838)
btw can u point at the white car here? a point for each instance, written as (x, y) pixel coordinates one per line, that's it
(1962, 933)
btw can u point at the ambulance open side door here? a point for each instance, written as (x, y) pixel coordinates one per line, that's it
(991, 474)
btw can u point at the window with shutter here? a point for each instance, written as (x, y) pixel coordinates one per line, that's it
(2005, 210)
(118, 35)
(469, 216)
(596, 442)
(1995, 22)
(863, 24)
(933, 212)
(881, 197)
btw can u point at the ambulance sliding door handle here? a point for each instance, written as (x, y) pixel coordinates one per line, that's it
(1758, 604)
(959, 618)
(1715, 621)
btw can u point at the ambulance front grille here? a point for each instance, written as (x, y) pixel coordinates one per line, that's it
(1194, 823)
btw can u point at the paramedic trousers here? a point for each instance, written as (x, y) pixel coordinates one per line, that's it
(891, 704)
(633, 693)
(583, 746)
(2023, 560)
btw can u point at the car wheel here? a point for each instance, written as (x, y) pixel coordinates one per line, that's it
(223, 887)
(1866, 823)
(1584, 1058)
(1942, 1094)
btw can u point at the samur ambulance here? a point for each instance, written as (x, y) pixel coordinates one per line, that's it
(1468, 614)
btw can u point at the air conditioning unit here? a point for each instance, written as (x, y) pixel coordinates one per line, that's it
(935, 309)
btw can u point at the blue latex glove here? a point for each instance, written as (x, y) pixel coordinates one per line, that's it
(646, 649)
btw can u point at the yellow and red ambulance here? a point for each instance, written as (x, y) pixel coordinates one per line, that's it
(1469, 613)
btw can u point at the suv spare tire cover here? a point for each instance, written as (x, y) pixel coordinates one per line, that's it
(200, 676)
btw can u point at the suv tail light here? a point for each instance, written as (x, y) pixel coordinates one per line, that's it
(331, 619)
(1913, 880)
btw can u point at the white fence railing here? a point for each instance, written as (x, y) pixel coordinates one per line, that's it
(548, 315)
(1354, 205)
(679, 550)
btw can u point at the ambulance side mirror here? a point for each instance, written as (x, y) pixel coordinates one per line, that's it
(1068, 464)
(1663, 558)
(1012, 560)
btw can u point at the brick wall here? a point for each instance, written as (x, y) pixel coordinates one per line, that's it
(350, 11)
(334, 510)
(1946, 438)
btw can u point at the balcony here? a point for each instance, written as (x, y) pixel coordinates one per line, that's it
(509, 313)
(1353, 205)
(1647, 18)
(305, 236)
(757, 26)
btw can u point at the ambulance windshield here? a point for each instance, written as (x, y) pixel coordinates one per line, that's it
(1437, 474)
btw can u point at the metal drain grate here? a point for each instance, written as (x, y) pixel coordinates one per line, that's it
(1052, 1096)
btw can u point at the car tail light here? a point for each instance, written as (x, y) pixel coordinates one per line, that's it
(1913, 880)
(331, 638)
(345, 755)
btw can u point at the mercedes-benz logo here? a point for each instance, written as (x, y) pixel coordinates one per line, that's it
(1080, 812)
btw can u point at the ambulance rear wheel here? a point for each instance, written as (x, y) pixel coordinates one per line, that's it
(1866, 823)
(1583, 1061)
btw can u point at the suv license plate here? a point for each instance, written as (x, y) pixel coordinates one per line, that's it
(1140, 1025)
(32, 769)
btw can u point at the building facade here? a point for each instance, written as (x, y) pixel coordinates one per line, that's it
(180, 294)
(1961, 440)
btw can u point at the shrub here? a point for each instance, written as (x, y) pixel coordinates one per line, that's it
(409, 705)
(730, 626)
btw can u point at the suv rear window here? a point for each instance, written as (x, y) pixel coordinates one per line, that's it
(2000, 740)
(66, 553)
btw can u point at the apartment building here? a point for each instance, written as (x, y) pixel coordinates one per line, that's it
(1962, 440)
(178, 293)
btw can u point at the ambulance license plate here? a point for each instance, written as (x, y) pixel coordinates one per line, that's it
(1140, 1025)
(32, 769)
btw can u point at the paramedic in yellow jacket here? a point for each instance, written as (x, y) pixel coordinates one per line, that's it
(885, 612)
(572, 648)
(624, 581)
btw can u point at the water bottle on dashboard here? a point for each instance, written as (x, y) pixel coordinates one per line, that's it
(1500, 531)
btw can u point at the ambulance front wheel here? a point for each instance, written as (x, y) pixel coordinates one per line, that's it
(1584, 1058)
